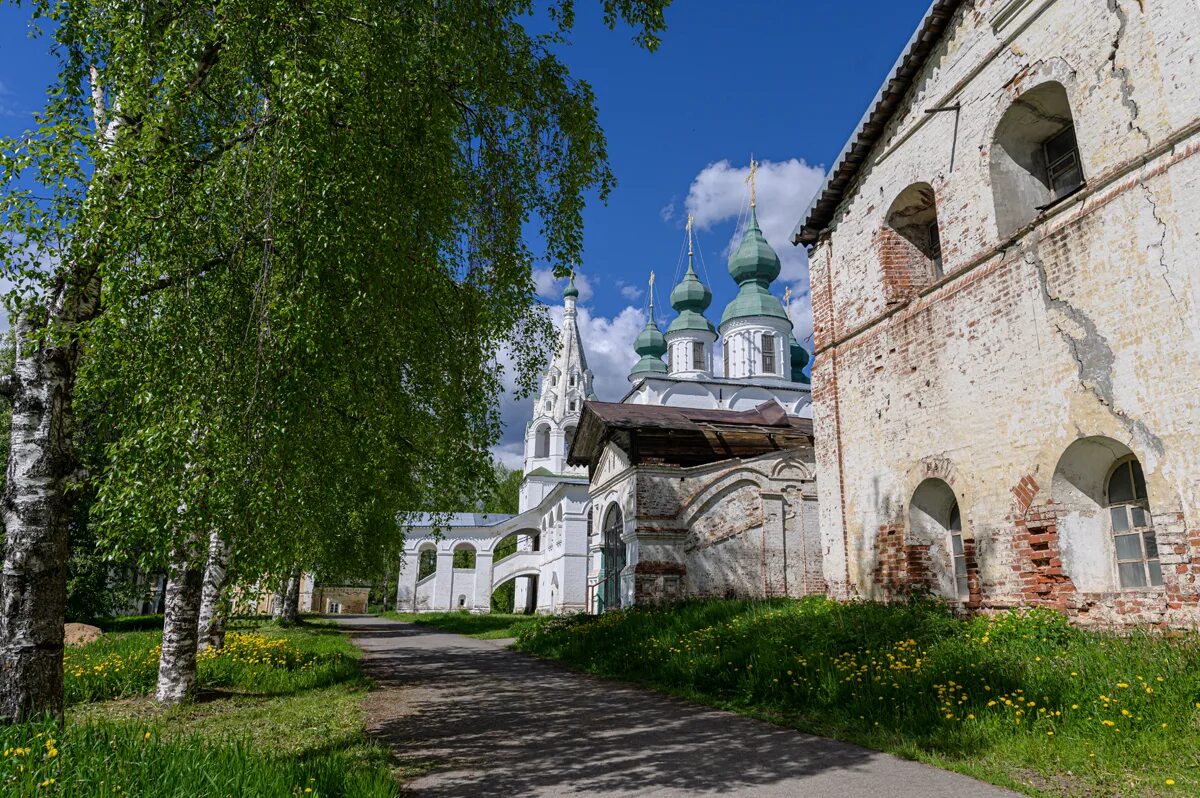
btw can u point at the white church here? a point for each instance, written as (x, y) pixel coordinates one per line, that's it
(698, 482)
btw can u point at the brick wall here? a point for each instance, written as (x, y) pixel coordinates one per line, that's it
(1083, 324)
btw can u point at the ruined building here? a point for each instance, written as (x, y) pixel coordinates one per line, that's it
(1006, 279)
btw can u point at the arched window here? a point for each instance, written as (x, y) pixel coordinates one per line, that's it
(464, 556)
(426, 563)
(1103, 517)
(1132, 529)
(698, 355)
(725, 358)
(612, 560)
(911, 247)
(1034, 157)
(541, 446)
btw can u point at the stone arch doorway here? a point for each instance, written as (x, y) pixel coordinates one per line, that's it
(612, 560)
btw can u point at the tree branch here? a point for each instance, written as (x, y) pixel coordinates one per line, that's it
(225, 146)
(172, 280)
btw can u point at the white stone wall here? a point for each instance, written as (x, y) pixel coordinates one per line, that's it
(735, 528)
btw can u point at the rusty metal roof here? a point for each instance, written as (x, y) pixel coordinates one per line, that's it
(841, 177)
(684, 435)
(767, 414)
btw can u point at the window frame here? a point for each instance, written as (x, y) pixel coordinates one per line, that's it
(958, 554)
(698, 355)
(1055, 169)
(1129, 511)
(935, 246)
(767, 346)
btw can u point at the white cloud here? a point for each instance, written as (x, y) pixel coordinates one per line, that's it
(546, 286)
(608, 347)
(631, 292)
(800, 311)
(667, 212)
(511, 455)
(719, 193)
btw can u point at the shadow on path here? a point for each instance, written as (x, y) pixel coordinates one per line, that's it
(501, 723)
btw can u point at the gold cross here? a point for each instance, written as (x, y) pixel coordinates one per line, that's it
(691, 221)
(787, 295)
(651, 296)
(750, 179)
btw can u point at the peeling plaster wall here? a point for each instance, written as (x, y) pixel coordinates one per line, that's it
(736, 528)
(1085, 322)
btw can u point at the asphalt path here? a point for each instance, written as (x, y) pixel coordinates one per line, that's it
(476, 719)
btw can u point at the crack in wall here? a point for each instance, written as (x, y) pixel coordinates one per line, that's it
(1162, 242)
(1122, 73)
(1094, 358)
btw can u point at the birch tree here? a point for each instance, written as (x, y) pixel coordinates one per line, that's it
(300, 229)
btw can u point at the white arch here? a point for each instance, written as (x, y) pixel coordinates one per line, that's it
(687, 394)
(749, 398)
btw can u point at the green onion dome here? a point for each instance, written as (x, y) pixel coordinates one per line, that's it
(754, 266)
(799, 359)
(691, 298)
(571, 290)
(651, 345)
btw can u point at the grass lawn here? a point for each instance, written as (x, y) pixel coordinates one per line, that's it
(493, 626)
(278, 713)
(1021, 699)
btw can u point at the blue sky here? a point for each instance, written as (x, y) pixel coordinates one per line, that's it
(786, 81)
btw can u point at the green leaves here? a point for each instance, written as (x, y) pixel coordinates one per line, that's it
(308, 226)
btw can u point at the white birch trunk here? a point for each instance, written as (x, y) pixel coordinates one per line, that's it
(177, 663)
(291, 599)
(33, 582)
(41, 463)
(212, 607)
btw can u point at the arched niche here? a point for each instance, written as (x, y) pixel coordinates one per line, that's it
(935, 522)
(541, 444)
(1034, 156)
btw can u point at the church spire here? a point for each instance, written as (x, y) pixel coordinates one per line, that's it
(565, 386)
(650, 345)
